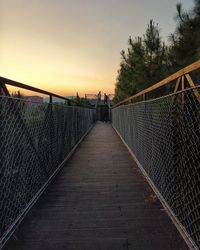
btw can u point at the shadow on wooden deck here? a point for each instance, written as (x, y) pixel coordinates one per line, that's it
(99, 200)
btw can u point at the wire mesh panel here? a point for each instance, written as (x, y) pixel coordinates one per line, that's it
(164, 135)
(34, 139)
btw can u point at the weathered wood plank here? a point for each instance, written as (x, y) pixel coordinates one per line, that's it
(183, 88)
(177, 84)
(192, 85)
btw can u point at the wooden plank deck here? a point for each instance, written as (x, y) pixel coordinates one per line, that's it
(99, 200)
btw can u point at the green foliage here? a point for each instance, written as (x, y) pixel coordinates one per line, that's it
(143, 64)
(185, 42)
(80, 100)
(148, 59)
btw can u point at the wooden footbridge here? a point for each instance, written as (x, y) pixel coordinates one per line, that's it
(69, 181)
(99, 200)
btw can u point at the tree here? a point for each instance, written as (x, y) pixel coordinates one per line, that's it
(148, 59)
(17, 94)
(155, 54)
(144, 63)
(81, 100)
(185, 42)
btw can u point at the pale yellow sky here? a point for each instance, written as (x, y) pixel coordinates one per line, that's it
(65, 46)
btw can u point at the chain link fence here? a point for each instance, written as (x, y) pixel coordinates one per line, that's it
(34, 139)
(164, 135)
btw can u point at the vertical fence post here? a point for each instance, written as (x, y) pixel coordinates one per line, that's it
(3, 89)
(183, 88)
(50, 99)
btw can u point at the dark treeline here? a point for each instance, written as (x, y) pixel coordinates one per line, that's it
(148, 59)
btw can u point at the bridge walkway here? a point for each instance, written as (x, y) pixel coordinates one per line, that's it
(99, 200)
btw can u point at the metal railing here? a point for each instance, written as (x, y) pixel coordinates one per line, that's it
(4, 90)
(163, 135)
(35, 140)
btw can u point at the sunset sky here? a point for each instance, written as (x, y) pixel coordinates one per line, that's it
(65, 46)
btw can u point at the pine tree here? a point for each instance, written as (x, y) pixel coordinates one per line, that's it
(185, 42)
(144, 63)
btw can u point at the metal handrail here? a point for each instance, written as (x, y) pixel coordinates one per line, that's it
(179, 75)
(4, 81)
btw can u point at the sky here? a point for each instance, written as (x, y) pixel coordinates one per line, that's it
(69, 46)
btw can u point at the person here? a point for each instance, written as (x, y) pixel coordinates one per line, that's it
(105, 99)
(106, 113)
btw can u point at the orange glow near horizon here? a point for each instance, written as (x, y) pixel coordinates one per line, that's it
(65, 85)
(53, 73)
(69, 87)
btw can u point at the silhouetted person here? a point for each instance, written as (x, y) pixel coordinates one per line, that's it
(99, 96)
(105, 99)
(106, 113)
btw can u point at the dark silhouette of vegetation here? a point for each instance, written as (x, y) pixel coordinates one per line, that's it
(17, 94)
(185, 42)
(81, 100)
(148, 60)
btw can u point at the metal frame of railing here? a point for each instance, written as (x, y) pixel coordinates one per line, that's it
(5, 81)
(163, 136)
(180, 77)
